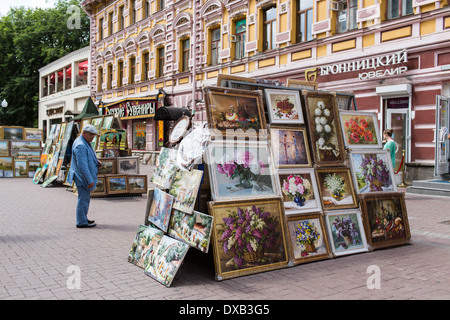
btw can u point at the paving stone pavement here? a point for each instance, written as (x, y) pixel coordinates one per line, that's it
(39, 244)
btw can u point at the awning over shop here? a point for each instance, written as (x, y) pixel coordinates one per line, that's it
(171, 113)
(89, 110)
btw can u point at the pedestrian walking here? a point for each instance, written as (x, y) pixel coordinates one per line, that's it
(390, 144)
(83, 170)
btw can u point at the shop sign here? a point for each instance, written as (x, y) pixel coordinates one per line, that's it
(398, 103)
(369, 66)
(53, 111)
(133, 109)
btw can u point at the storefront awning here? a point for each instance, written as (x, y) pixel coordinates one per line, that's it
(171, 113)
(89, 110)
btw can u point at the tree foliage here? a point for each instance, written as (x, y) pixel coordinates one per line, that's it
(30, 39)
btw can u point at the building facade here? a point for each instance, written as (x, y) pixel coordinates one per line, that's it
(63, 88)
(394, 55)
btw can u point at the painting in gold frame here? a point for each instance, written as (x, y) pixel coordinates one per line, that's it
(324, 128)
(116, 184)
(222, 79)
(260, 249)
(13, 133)
(235, 112)
(301, 84)
(108, 166)
(290, 147)
(100, 188)
(385, 219)
(34, 134)
(20, 168)
(137, 183)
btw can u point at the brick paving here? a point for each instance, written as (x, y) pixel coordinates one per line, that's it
(39, 242)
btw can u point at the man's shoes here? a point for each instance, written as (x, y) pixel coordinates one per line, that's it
(89, 225)
(91, 221)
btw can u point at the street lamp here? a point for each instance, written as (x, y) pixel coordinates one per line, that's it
(4, 103)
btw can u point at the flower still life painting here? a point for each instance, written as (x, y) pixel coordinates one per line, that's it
(161, 209)
(237, 110)
(248, 237)
(194, 229)
(372, 171)
(144, 245)
(165, 168)
(284, 106)
(164, 264)
(385, 219)
(185, 188)
(290, 147)
(346, 232)
(360, 129)
(336, 188)
(299, 191)
(308, 238)
(324, 128)
(241, 170)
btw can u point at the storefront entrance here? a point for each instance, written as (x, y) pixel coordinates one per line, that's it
(442, 165)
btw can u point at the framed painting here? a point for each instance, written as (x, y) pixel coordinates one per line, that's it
(21, 168)
(324, 128)
(372, 171)
(336, 188)
(13, 133)
(241, 170)
(137, 183)
(113, 139)
(107, 121)
(4, 148)
(69, 130)
(346, 232)
(290, 147)
(385, 219)
(7, 168)
(108, 166)
(144, 245)
(128, 165)
(301, 84)
(26, 144)
(100, 188)
(116, 184)
(25, 154)
(38, 175)
(55, 135)
(360, 129)
(185, 188)
(193, 229)
(34, 134)
(223, 79)
(249, 236)
(299, 191)
(62, 131)
(284, 106)
(308, 238)
(166, 260)
(33, 165)
(235, 112)
(165, 168)
(161, 209)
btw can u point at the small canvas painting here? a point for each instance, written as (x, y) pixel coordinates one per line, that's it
(184, 189)
(144, 245)
(161, 209)
(165, 168)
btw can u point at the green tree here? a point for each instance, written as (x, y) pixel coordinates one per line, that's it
(31, 39)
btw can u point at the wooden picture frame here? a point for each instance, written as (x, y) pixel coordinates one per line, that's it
(100, 188)
(240, 170)
(127, 165)
(33, 165)
(336, 188)
(324, 128)
(222, 79)
(108, 166)
(34, 134)
(20, 168)
(26, 145)
(234, 259)
(107, 121)
(290, 147)
(301, 84)
(284, 106)
(346, 232)
(360, 129)
(372, 171)
(308, 238)
(25, 154)
(385, 219)
(116, 184)
(4, 148)
(236, 112)
(137, 183)
(13, 133)
(7, 169)
(290, 184)
(160, 209)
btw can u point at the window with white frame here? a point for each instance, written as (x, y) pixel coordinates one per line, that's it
(304, 20)
(269, 27)
(215, 46)
(241, 29)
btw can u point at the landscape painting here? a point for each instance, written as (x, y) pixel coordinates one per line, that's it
(144, 245)
(117, 184)
(165, 168)
(7, 167)
(185, 188)
(161, 209)
(137, 183)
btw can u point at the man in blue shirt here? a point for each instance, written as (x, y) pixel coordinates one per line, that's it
(83, 170)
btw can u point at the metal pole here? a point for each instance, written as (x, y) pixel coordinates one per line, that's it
(403, 185)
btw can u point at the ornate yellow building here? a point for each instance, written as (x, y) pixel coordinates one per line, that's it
(394, 55)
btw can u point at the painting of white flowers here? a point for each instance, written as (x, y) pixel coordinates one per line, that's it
(336, 188)
(299, 191)
(167, 260)
(240, 170)
(324, 128)
(372, 171)
(284, 106)
(346, 232)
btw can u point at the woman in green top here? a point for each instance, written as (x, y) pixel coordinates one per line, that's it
(390, 144)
